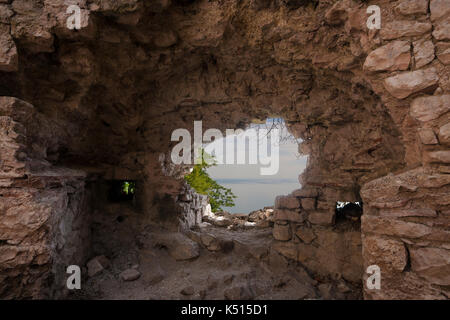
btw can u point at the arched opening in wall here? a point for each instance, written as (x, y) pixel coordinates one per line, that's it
(253, 166)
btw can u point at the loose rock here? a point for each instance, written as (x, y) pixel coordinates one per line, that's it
(97, 265)
(130, 275)
(188, 291)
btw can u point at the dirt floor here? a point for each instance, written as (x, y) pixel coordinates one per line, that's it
(236, 264)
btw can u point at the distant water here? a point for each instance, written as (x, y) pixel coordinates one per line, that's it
(257, 193)
(253, 189)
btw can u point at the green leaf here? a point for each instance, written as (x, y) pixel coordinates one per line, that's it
(202, 183)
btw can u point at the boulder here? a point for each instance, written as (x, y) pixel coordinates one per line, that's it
(180, 247)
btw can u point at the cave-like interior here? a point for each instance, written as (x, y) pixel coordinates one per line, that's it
(80, 109)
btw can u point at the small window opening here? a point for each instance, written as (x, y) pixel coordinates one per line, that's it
(121, 190)
(348, 211)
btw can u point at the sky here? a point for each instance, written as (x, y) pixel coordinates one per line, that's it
(253, 190)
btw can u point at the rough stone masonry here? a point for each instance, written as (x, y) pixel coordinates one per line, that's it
(100, 103)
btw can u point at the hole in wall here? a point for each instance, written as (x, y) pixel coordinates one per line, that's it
(349, 211)
(121, 190)
(252, 184)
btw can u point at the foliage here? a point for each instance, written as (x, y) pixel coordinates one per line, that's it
(128, 187)
(202, 183)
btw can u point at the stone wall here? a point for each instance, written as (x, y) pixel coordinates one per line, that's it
(405, 224)
(194, 207)
(372, 107)
(44, 225)
(305, 230)
(405, 221)
(406, 233)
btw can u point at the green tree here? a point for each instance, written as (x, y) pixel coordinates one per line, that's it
(202, 183)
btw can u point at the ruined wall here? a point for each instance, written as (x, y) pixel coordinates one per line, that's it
(371, 106)
(194, 207)
(307, 232)
(44, 225)
(405, 225)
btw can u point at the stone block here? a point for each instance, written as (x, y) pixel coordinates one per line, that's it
(433, 264)
(324, 218)
(287, 202)
(282, 232)
(395, 55)
(308, 203)
(407, 83)
(430, 107)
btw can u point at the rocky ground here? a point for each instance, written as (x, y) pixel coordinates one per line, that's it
(211, 262)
